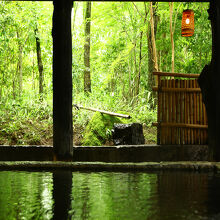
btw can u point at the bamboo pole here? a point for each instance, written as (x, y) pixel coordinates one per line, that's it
(180, 75)
(159, 96)
(185, 113)
(201, 117)
(178, 112)
(182, 113)
(184, 75)
(166, 132)
(188, 90)
(162, 112)
(102, 111)
(181, 125)
(192, 108)
(195, 112)
(170, 112)
(190, 112)
(174, 111)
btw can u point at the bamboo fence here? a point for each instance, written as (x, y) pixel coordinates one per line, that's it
(181, 114)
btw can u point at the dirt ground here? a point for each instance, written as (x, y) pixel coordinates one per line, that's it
(46, 137)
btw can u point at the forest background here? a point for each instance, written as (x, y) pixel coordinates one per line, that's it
(113, 58)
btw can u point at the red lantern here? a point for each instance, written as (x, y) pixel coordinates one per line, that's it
(188, 23)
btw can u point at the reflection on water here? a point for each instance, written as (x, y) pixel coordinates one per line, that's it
(62, 185)
(109, 195)
(25, 195)
(114, 195)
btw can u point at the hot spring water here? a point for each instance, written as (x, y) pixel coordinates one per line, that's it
(109, 195)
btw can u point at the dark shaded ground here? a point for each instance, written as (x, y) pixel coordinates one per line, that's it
(42, 134)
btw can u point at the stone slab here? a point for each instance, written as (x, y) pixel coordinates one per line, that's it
(201, 166)
(111, 154)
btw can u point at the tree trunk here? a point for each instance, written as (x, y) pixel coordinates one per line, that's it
(152, 57)
(87, 78)
(135, 72)
(140, 58)
(33, 75)
(62, 80)
(74, 15)
(171, 36)
(153, 26)
(20, 60)
(39, 61)
(129, 85)
(139, 66)
(14, 83)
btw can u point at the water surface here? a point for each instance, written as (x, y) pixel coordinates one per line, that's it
(109, 195)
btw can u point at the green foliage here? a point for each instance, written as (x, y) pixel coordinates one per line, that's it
(98, 130)
(25, 121)
(119, 55)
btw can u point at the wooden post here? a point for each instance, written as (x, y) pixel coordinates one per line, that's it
(215, 5)
(62, 80)
(209, 83)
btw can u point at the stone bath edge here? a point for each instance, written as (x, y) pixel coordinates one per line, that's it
(203, 166)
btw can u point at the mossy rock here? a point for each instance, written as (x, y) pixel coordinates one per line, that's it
(99, 128)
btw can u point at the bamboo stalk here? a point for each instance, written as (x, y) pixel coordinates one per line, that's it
(188, 115)
(163, 113)
(191, 112)
(176, 109)
(188, 90)
(182, 114)
(181, 125)
(183, 75)
(178, 105)
(201, 117)
(170, 112)
(173, 111)
(159, 112)
(166, 133)
(185, 113)
(195, 113)
(102, 111)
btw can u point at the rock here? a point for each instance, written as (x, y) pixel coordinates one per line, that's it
(128, 134)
